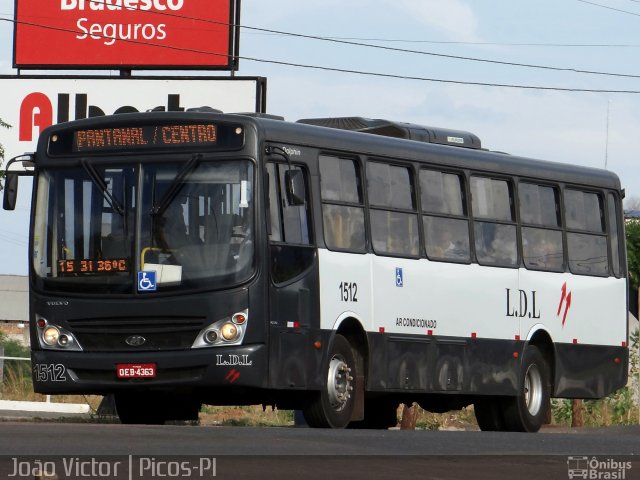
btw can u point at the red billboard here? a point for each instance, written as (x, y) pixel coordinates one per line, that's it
(126, 34)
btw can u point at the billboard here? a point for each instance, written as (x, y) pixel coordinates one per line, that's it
(38, 102)
(126, 34)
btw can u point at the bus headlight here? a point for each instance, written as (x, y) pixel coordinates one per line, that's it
(229, 332)
(50, 335)
(225, 332)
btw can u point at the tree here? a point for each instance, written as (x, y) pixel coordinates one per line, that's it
(633, 252)
(2, 125)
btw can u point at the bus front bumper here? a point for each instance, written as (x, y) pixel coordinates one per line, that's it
(56, 372)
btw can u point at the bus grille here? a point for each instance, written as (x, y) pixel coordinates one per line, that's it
(136, 334)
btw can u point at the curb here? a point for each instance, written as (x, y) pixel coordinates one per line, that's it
(45, 409)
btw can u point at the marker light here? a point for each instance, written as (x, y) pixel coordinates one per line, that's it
(41, 323)
(229, 331)
(50, 335)
(239, 318)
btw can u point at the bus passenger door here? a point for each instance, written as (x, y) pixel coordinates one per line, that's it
(293, 303)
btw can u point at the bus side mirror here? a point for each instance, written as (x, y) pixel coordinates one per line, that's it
(294, 180)
(10, 191)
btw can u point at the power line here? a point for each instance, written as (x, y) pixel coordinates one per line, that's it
(495, 44)
(387, 48)
(439, 80)
(457, 57)
(400, 50)
(17, 240)
(610, 8)
(343, 70)
(404, 40)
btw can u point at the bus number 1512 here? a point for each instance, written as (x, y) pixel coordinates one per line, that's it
(348, 291)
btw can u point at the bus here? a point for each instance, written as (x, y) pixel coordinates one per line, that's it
(336, 266)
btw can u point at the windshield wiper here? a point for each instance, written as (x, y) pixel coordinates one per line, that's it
(174, 188)
(102, 185)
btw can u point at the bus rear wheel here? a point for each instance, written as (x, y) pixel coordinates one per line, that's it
(333, 405)
(488, 412)
(527, 411)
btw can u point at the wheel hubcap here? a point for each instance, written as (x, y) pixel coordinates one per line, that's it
(339, 383)
(533, 389)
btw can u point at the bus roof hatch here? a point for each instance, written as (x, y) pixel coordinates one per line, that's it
(387, 128)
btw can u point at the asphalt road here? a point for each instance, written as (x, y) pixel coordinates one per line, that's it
(283, 453)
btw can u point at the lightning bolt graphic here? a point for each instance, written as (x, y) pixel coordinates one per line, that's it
(565, 299)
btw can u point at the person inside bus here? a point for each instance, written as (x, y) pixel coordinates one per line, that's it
(503, 245)
(117, 243)
(172, 228)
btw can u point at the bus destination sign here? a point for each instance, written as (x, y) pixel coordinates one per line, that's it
(156, 136)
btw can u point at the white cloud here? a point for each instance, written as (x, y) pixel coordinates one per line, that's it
(454, 18)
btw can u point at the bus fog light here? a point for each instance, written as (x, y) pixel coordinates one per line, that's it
(51, 335)
(63, 340)
(211, 336)
(229, 331)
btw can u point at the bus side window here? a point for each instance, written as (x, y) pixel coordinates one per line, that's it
(541, 232)
(290, 236)
(494, 226)
(295, 217)
(273, 197)
(446, 226)
(586, 236)
(394, 222)
(342, 206)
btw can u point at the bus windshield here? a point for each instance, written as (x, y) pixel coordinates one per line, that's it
(99, 227)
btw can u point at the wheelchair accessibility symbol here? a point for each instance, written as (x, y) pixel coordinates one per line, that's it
(147, 281)
(399, 278)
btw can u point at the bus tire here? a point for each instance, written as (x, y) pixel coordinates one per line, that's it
(333, 405)
(379, 414)
(488, 412)
(527, 411)
(139, 409)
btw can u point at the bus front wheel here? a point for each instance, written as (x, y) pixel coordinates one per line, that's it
(333, 405)
(379, 414)
(138, 408)
(155, 408)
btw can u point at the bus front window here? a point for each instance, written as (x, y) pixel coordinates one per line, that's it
(202, 232)
(84, 226)
(97, 228)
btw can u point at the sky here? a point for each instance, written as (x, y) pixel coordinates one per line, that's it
(558, 40)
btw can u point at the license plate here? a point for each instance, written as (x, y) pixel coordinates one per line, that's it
(136, 370)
